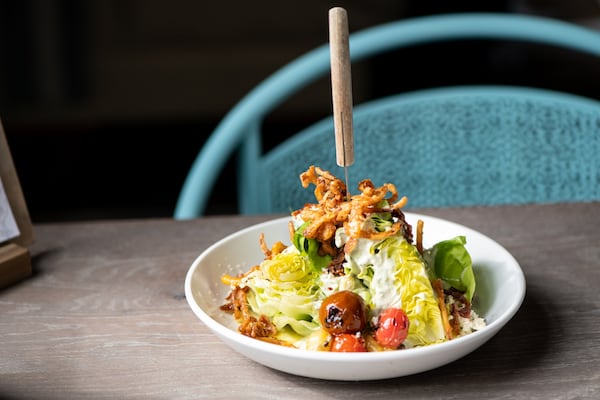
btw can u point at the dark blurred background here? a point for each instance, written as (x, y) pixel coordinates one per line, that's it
(106, 103)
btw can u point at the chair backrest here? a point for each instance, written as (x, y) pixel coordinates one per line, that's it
(441, 147)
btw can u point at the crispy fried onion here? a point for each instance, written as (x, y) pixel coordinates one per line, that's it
(250, 325)
(277, 247)
(258, 327)
(334, 210)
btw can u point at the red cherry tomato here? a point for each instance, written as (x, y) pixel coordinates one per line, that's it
(392, 328)
(343, 312)
(348, 343)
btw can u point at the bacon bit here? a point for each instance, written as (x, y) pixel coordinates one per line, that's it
(335, 266)
(464, 308)
(439, 291)
(329, 249)
(465, 311)
(407, 229)
(455, 322)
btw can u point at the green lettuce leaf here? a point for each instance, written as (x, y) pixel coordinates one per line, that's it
(396, 276)
(450, 261)
(286, 289)
(382, 221)
(310, 248)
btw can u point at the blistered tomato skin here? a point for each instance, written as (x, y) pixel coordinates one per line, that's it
(343, 312)
(392, 328)
(348, 343)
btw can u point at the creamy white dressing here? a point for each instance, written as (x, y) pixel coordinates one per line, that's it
(363, 257)
(384, 293)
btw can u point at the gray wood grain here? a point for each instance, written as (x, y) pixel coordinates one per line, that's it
(104, 316)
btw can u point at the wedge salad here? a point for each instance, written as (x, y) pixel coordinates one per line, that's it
(355, 277)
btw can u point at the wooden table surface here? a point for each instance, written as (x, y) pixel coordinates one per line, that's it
(104, 317)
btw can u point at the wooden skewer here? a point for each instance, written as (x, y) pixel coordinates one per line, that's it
(341, 88)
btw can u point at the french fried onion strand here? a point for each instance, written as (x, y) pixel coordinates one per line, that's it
(333, 210)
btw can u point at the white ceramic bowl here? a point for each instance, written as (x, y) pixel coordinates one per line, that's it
(500, 292)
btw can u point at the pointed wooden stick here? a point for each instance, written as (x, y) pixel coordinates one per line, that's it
(341, 88)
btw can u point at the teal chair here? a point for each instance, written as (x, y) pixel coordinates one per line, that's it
(452, 146)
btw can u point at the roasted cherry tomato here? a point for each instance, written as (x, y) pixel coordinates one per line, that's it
(343, 312)
(348, 343)
(392, 328)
